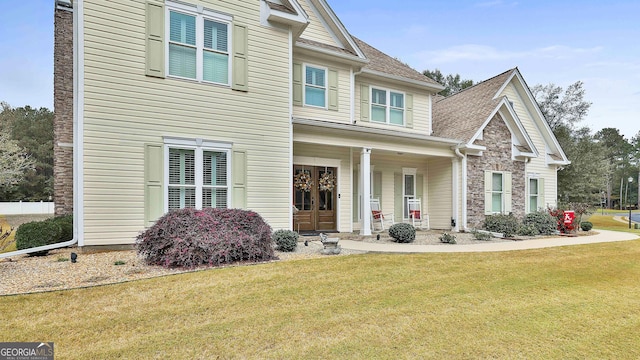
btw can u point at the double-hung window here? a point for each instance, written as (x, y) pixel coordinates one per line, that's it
(198, 176)
(315, 86)
(533, 195)
(387, 106)
(198, 46)
(497, 193)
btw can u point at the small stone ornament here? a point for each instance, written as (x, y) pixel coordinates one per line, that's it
(331, 246)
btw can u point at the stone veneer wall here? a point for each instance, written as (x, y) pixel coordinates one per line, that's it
(497, 157)
(63, 109)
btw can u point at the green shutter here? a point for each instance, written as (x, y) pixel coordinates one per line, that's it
(333, 90)
(487, 192)
(155, 39)
(153, 189)
(507, 192)
(297, 84)
(240, 58)
(541, 201)
(239, 176)
(397, 197)
(408, 115)
(364, 103)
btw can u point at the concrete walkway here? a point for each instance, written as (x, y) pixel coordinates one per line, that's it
(601, 237)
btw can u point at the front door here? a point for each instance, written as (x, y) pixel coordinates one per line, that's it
(315, 197)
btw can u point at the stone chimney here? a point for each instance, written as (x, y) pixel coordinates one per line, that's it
(63, 107)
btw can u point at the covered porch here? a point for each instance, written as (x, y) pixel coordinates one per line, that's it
(338, 168)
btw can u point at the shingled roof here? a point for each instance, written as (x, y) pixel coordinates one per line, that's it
(459, 116)
(383, 63)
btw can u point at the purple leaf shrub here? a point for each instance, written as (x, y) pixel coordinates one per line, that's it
(190, 238)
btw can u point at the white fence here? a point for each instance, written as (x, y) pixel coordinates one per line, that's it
(20, 208)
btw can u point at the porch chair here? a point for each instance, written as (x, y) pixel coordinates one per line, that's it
(418, 218)
(378, 219)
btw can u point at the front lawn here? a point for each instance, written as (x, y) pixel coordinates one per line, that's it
(606, 222)
(571, 302)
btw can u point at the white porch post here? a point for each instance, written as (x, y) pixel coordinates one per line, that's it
(365, 186)
(455, 192)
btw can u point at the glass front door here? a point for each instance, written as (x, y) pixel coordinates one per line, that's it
(315, 197)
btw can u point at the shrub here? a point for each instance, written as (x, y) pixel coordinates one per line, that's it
(527, 230)
(448, 238)
(286, 240)
(586, 225)
(507, 225)
(542, 222)
(189, 238)
(37, 233)
(481, 235)
(402, 233)
(66, 228)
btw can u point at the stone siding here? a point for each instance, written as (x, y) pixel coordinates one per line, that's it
(63, 110)
(497, 157)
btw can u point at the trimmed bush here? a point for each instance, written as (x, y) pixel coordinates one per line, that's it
(190, 238)
(402, 233)
(286, 240)
(542, 222)
(66, 228)
(37, 233)
(448, 238)
(480, 235)
(528, 230)
(586, 225)
(507, 225)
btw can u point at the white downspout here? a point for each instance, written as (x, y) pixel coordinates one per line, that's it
(464, 188)
(352, 114)
(78, 37)
(291, 200)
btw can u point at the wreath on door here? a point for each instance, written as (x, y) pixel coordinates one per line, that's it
(327, 182)
(302, 181)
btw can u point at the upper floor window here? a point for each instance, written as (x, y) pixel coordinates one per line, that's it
(198, 46)
(387, 106)
(315, 86)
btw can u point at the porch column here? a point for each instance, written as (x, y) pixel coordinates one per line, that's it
(365, 186)
(455, 191)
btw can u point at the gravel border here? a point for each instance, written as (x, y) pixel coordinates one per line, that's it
(25, 274)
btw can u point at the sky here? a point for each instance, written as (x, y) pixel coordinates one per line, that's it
(557, 42)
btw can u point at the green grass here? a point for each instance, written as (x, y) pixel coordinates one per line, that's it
(606, 222)
(577, 302)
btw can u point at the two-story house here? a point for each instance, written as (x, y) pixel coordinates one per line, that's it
(254, 104)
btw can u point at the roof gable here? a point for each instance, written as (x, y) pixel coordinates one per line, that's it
(325, 32)
(464, 115)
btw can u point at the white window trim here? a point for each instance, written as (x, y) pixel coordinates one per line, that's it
(326, 85)
(537, 179)
(502, 205)
(201, 14)
(199, 146)
(414, 173)
(388, 106)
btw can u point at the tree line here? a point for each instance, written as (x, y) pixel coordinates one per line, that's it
(26, 153)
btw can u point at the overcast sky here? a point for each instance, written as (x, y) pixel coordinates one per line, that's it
(557, 42)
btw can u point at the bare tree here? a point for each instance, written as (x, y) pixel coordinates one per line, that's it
(14, 162)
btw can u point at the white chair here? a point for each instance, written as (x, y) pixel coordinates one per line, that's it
(378, 219)
(418, 218)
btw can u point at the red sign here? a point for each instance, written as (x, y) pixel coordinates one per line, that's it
(569, 215)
